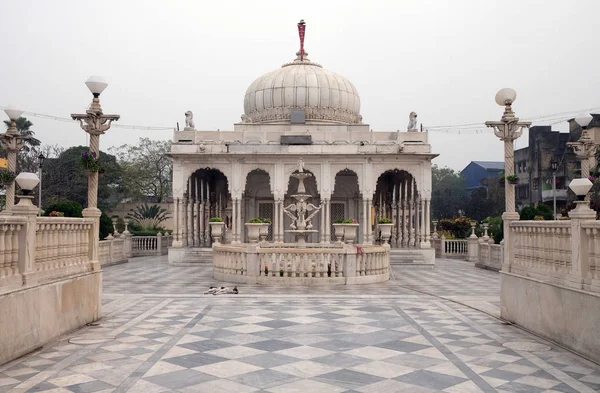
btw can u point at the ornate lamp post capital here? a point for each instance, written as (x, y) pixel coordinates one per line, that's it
(508, 129)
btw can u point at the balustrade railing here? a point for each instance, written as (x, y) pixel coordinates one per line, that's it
(307, 263)
(150, 245)
(112, 251)
(592, 246)
(302, 265)
(62, 246)
(541, 249)
(454, 248)
(10, 241)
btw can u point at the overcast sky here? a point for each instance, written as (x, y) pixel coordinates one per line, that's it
(443, 59)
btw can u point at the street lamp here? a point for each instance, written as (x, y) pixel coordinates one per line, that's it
(95, 123)
(508, 129)
(554, 167)
(41, 159)
(13, 142)
(585, 147)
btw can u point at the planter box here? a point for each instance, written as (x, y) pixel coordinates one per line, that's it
(253, 231)
(350, 232)
(216, 230)
(386, 231)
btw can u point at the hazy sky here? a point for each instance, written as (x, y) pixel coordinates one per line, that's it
(443, 59)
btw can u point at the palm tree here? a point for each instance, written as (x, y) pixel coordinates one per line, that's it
(23, 126)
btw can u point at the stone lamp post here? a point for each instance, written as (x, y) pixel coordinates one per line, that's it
(95, 123)
(508, 129)
(585, 147)
(27, 182)
(13, 142)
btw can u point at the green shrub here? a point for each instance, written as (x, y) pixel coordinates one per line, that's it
(529, 213)
(266, 220)
(385, 221)
(350, 221)
(255, 221)
(148, 216)
(69, 208)
(496, 228)
(460, 228)
(150, 232)
(106, 226)
(216, 219)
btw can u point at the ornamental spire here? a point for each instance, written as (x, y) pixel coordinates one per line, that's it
(301, 29)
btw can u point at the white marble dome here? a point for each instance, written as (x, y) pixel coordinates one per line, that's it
(325, 97)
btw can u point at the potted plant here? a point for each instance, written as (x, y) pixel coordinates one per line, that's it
(90, 161)
(281, 273)
(501, 181)
(264, 229)
(350, 230)
(512, 179)
(385, 229)
(6, 177)
(253, 227)
(338, 229)
(216, 228)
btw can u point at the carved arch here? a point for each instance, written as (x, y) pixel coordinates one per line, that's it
(357, 168)
(249, 168)
(415, 171)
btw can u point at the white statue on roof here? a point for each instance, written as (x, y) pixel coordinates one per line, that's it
(412, 122)
(189, 121)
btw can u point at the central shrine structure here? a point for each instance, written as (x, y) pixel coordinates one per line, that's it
(301, 112)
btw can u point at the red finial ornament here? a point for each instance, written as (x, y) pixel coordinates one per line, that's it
(301, 29)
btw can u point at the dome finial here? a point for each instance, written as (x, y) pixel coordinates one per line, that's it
(301, 29)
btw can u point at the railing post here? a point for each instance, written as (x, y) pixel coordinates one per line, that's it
(26, 240)
(443, 246)
(580, 259)
(159, 243)
(253, 262)
(127, 246)
(473, 248)
(350, 261)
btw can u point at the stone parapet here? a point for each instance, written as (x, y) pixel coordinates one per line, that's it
(272, 264)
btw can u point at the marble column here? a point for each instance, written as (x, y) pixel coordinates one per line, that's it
(366, 218)
(422, 236)
(281, 220)
(184, 234)
(238, 218)
(417, 222)
(369, 220)
(234, 214)
(176, 223)
(327, 206)
(427, 223)
(192, 194)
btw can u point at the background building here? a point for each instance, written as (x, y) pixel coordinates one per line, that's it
(477, 173)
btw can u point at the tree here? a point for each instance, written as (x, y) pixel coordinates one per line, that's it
(24, 129)
(448, 194)
(64, 179)
(147, 170)
(479, 206)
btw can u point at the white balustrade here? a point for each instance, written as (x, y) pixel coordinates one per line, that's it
(300, 266)
(541, 249)
(592, 244)
(150, 245)
(62, 246)
(10, 240)
(112, 251)
(455, 248)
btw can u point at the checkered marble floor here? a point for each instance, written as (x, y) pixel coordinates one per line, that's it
(159, 333)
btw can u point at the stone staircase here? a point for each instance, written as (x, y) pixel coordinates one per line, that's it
(195, 256)
(409, 258)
